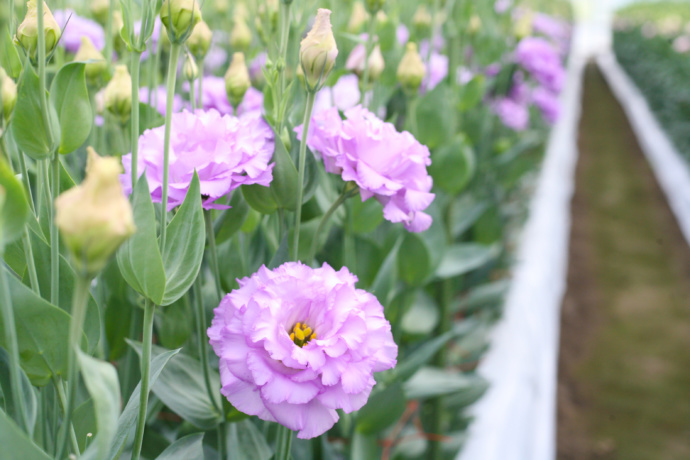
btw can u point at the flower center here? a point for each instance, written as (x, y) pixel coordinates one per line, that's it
(301, 334)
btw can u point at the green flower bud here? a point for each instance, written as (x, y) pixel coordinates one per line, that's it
(100, 9)
(241, 36)
(179, 17)
(88, 52)
(318, 51)
(8, 91)
(358, 18)
(411, 70)
(374, 6)
(190, 71)
(222, 7)
(237, 80)
(27, 32)
(118, 94)
(376, 64)
(118, 24)
(199, 41)
(95, 217)
(421, 21)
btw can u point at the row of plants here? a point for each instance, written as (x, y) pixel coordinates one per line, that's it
(254, 230)
(653, 50)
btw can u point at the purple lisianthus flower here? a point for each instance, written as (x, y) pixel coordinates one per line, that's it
(76, 27)
(216, 97)
(542, 61)
(297, 343)
(436, 71)
(225, 151)
(513, 114)
(384, 163)
(402, 34)
(547, 103)
(344, 95)
(158, 98)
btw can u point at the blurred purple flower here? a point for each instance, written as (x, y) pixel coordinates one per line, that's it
(215, 59)
(225, 151)
(297, 343)
(257, 65)
(76, 28)
(402, 34)
(542, 61)
(215, 97)
(436, 71)
(384, 163)
(547, 103)
(158, 99)
(501, 6)
(344, 94)
(513, 114)
(551, 27)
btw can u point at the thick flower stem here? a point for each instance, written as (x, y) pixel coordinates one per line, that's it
(284, 442)
(134, 129)
(368, 48)
(149, 309)
(12, 349)
(172, 76)
(80, 298)
(300, 178)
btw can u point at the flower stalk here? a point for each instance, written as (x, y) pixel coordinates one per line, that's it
(149, 310)
(300, 178)
(284, 443)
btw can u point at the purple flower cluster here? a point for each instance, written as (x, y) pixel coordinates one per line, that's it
(76, 27)
(225, 151)
(542, 61)
(297, 343)
(384, 163)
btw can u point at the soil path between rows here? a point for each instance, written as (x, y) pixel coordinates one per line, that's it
(624, 368)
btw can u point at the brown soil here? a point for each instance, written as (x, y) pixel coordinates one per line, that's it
(624, 372)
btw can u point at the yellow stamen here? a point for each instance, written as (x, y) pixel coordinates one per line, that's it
(299, 334)
(298, 326)
(313, 336)
(292, 336)
(307, 331)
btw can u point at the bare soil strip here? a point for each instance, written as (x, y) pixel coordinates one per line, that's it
(624, 370)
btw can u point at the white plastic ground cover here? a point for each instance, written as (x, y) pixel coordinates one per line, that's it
(671, 170)
(516, 418)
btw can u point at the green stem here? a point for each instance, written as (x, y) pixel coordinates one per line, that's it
(192, 99)
(134, 129)
(300, 178)
(13, 350)
(30, 263)
(80, 298)
(368, 48)
(11, 17)
(54, 236)
(211, 236)
(350, 253)
(317, 236)
(62, 399)
(172, 76)
(284, 443)
(200, 93)
(149, 309)
(412, 114)
(201, 330)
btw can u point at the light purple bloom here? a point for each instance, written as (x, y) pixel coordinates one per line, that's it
(542, 61)
(300, 383)
(257, 65)
(501, 6)
(547, 103)
(384, 163)
(513, 114)
(551, 27)
(225, 151)
(344, 95)
(158, 99)
(402, 34)
(465, 75)
(76, 28)
(436, 71)
(215, 59)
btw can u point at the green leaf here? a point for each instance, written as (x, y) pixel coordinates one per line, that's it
(260, 198)
(188, 448)
(384, 408)
(484, 295)
(139, 258)
(69, 96)
(431, 382)
(453, 166)
(248, 443)
(16, 444)
(231, 220)
(184, 246)
(465, 257)
(181, 387)
(102, 384)
(27, 390)
(174, 324)
(364, 447)
(386, 276)
(422, 317)
(284, 183)
(42, 332)
(435, 117)
(464, 212)
(366, 216)
(472, 93)
(28, 126)
(14, 206)
(414, 260)
(128, 418)
(282, 255)
(9, 57)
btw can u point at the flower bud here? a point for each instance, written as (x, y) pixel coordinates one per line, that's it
(100, 9)
(118, 43)
(118, 94)
(376, 64)
(523, 26)
(374, 6)
(199, 41)
(8, 90)
(422, 21)
(318, 51)
(95, 217)
(475, 24)
(27, 32)
(241, 36)
(411, 70)
(237, 80)
(358, 18)
(355, 62)
(88, 52)
(222, 7)
(190, 71)
(179, 17)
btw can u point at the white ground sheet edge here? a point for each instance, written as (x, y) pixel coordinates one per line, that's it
(516, 418)
(671, 170)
